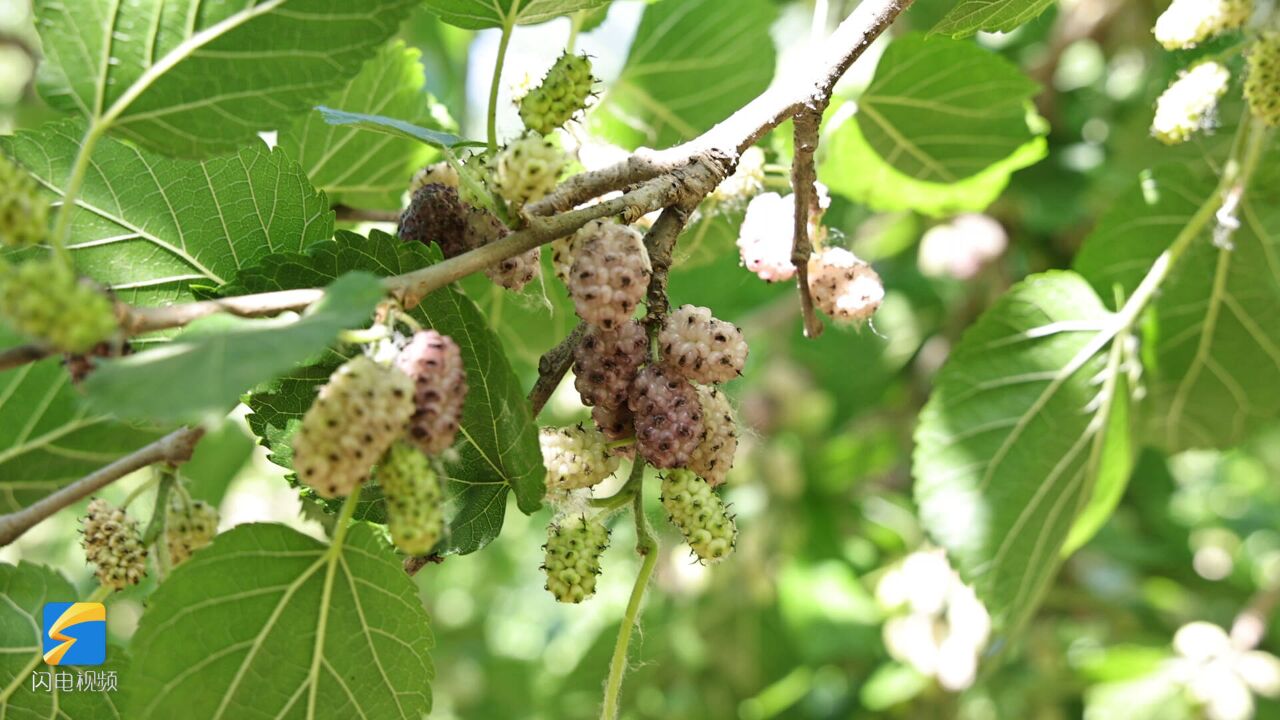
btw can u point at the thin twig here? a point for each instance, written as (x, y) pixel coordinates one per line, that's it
(647, 548)
(660, 242)
(552, 367)
(174, 448)
(803, 179)
(22, 354)
(745, 127)
(350, 214)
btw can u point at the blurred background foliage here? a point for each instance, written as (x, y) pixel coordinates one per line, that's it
(817, 616)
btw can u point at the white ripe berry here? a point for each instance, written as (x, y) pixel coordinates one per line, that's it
(702, 348)
(843, 286)
(768, 230)
(1188, 105)
(960, 247)
(575, 457)
(764, 240)
(441, 173)
(713, 457)
(610, 274)
(433, 363)
(668, 417)
(527, 169)
(606, 362)
(357, 415)
(1187, 23)
(512, 273)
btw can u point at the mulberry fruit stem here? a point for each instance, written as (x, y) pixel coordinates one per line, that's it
(647, 547)
(494, 84)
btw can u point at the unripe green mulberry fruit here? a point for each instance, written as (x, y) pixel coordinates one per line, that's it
(702, 347)
(43, 299)
(24, 212)
(563, 92)
(713, 458)
(357, 415)
(414, 498)
(435, 215)
(1188, 105)
(700, 514)
(572, 563)
(1187, 23)
(1262, 84)
(113, 544)
(433, 363)
(527, 169)
(610, 274)
(188, 527)
(575, 457)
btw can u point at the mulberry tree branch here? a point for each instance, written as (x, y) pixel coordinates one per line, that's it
(744, 128)
(552, 367)
(803, 180)
(174, 449)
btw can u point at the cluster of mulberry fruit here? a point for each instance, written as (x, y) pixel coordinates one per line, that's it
(1187, 106)
(563, 92)
(393, 415)
(188, 526)
(43, 299)
(113, 545)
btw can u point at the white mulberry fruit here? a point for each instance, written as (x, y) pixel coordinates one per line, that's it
(441, 173)
(512, 273)
(562, 93)
(605, 363)
(433, 363)
(700, 514)
(746, 182)
(713, 458)
(414, 498)
(113, 544)
(43, 299)
(188, 526)
(527, 169)
(1262, 84)
(616, 422)
(843, 286)
(357, 415)
(668, 417)
(1187, 23)
(575, 457)
(768, 231)
(1188, 105)
(702, 348)
(24, 212)
(435, 215)
(572, 562)
(609, 276)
